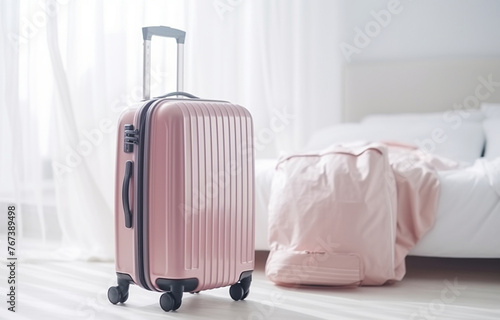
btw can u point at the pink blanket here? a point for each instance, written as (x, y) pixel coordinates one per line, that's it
(351, 214)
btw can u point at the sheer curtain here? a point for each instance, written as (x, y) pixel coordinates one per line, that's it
(70, 67)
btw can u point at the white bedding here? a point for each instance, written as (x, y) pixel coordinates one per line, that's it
(467, 220)
(468, 216)
(264, 171)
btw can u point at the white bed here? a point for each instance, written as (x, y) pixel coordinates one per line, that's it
(420, 102)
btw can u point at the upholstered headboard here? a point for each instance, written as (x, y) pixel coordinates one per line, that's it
(419, 86)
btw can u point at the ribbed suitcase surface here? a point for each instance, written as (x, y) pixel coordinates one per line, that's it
(217, 194)
(202, 226)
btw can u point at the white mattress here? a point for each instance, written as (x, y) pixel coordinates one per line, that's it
(467, 220)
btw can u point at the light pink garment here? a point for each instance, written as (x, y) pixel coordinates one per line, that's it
(349, 215)
(417, 196)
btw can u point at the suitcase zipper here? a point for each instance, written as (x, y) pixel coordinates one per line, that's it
(135, 137)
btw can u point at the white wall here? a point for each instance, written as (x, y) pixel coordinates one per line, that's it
(286, 54)
(426, 29)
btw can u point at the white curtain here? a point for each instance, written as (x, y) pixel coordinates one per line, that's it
(70, 67)
(279, 58)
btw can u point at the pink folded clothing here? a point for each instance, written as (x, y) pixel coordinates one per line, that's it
(350, 214)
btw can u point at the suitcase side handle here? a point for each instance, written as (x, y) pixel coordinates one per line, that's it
(129, 165)
(162, 31)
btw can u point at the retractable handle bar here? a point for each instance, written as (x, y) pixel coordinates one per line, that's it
(162, 31)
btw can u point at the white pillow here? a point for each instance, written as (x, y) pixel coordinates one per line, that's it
(492, 131)
(461, 143)
(491, 110)
(452, 117)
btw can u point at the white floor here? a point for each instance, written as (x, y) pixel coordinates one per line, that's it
(432, 289)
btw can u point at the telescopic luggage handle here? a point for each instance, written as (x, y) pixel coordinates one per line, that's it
(162, 31)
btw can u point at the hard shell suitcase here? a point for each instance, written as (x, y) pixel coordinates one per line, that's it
(184, 193)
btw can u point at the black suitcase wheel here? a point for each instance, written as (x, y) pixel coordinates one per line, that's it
(241, 289)
(236, 291)
(245, 295)
(125, 297)
(119, 293)
(115, 295)
(169, 303)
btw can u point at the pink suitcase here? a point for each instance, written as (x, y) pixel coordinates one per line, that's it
(184, 197)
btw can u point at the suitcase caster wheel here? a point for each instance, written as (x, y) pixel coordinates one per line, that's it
(168, 302)
(125, 297)
(115, 295)
(237, 292)
(245, 295)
